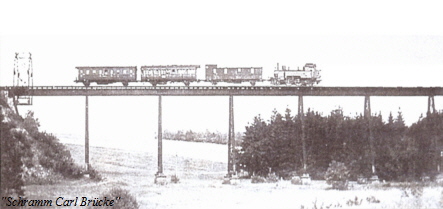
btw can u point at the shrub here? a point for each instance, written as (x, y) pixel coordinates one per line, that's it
(286, 174)
(126, 200)
(296, 180)
(39, 175)
(412, 189)
(272, 178)
(226, 180)
(31, 124)
(257, 179)
(175, 179)
(94, 174)
(31, 157)
(337, 175)
(13, 147)
(362, 180)
(54, 155)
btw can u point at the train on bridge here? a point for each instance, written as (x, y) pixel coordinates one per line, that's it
(187, 74)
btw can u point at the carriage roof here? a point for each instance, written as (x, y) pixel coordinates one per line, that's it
(105, 67)
(169, 66)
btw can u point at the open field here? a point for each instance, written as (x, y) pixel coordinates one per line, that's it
(200, 186)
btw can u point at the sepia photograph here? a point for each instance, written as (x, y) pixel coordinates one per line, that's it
(237, 105)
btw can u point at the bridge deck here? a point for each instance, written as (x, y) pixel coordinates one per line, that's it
(223, 91)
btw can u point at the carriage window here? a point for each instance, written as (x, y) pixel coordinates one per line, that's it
(100, 71)
(93, 71)
(131, 71)
(214, 70)
(252, 70)
(87, 72)
(124, 71)
(226, 71)
(81, 71)
(239, 70)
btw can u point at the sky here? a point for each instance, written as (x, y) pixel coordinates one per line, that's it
(354, 44)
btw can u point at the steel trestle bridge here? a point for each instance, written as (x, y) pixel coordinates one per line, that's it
(221, 91)
(231, 91)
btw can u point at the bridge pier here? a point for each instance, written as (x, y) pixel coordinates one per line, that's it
(303, 137)
(231, 138)
(432, 110)
(160, 142)
(431, 105)
(88, 166)
(368, 117)
(160, 178)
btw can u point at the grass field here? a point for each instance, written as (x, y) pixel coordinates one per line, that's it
(201, 168)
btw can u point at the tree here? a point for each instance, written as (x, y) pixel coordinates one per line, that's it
(401, 152)
(390, 119)
(253, 150)
(426, 140)
(31, 124)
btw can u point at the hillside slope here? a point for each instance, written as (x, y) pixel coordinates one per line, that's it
(29, 156)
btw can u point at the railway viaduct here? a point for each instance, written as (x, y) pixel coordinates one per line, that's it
(229, 91)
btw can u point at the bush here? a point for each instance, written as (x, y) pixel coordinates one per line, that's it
(126, 200)
(296, 180)
(94, 174)
(39, 175)
(31, 157)
(175, 179)
(51, 154)
(337, 175)
(257, 179)
(412, 189)
(286, 174)
(272, 178)
(14, 146)
(55, 156)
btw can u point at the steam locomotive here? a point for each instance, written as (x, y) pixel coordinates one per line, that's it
(162, 74)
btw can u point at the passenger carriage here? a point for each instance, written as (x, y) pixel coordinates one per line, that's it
(106, 75)
(216, 74)
(161, 74)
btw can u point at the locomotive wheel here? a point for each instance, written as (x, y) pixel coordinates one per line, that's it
(86, 83)
(125, 83)
(154, 84)
(186, 83)
(252, 83)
